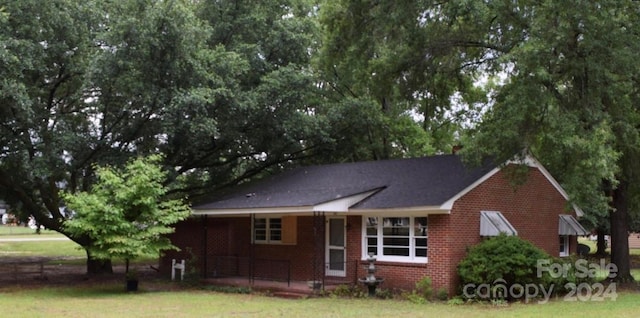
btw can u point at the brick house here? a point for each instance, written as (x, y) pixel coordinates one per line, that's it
(417, 216)
(634, 240)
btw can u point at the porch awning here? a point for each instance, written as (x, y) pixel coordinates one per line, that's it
(492, 223)
(568, 225)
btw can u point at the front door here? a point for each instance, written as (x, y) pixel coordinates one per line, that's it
(336, 247)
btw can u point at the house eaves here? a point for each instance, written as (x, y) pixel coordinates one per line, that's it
(296, 210)
(310, 210)
(337, 206)
(404, 211)
(341, 205)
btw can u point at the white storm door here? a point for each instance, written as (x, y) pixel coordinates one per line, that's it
(336, 247)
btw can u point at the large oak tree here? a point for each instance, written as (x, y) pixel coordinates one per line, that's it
(561, 79)
(571, 98)
(222, 89)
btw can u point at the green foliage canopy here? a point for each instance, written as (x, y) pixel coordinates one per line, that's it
(570, 97)
(404, 62)
(222, 89)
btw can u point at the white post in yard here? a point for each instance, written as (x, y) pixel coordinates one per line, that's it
(175, 266)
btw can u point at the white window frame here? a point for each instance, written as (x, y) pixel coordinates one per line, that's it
(379, 255)
(269, 231)
(564, 252)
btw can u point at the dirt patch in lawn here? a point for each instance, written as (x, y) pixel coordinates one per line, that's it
(26, 272)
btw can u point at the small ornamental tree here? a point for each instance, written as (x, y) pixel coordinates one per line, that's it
(126, 214)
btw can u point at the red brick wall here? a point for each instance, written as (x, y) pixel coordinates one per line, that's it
(225, 237)
(232, 237)
(188, 236)
(532, 208)
(299, 255)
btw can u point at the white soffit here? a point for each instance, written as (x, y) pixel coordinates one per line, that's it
(404, 211)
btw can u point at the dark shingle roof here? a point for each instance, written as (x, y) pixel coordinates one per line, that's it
(417, 182)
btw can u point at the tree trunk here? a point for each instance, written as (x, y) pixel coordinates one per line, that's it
(620, 233)
(98, 266)
(601, 243)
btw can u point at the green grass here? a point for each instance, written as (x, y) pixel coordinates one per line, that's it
(602, 273)
(161, 299)
(66, 249)
(45, 248)
(6, 230)
(111, 301)
(594, 248)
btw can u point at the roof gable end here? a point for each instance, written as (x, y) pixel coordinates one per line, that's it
(529, 161)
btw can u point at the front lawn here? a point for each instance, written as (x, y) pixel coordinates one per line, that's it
(159, 298)
(111, 301)
(56, 249)
(22, 230)
(20, 242)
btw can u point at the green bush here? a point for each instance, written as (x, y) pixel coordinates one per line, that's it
(423, 288)
(415, 298)
(501, 262)
(383, 293)
(422, 293)
(442, 294)
(456, 301)
(348, 291)
(571, 274)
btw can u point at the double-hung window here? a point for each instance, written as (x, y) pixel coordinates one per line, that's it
(267, 230)
(401, 239)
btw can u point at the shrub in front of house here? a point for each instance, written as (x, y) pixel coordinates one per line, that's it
(347, 291)
(423, 291)
(500, 267)
(571, 275)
